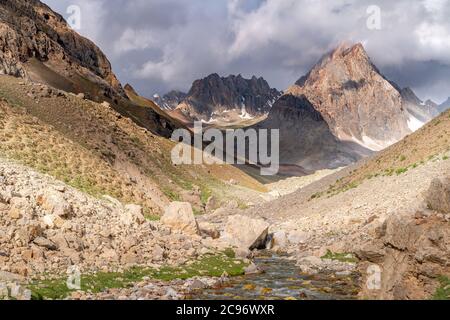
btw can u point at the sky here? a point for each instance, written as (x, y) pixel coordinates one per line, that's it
(160, 45)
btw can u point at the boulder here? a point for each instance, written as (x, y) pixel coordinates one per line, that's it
(180, 216)
(438, 195)
(45, 243)
(371, 252)
(252, 269)
(297, 237)
(279, 240)
(209, 230)
(133, 214)
(10, 277)
(19, 208)
(53, 202)
(212, 204)
(51, 221)
(244, 232)
(195, 284)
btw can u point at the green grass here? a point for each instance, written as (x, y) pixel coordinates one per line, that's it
(172, 195)
(209, 265)
(205, 194)
(242, 205)
(443, 292)
(152, 217)
(342, 257)
(401, 171)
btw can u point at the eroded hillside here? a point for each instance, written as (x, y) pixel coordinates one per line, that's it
(94, 148)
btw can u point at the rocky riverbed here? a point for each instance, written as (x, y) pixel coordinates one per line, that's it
(281, 278)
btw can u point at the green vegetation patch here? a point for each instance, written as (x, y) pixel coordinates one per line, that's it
(443, 292)
(172, 195)
(342, 257)
(209, 266)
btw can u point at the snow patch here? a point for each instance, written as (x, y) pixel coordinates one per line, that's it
(372, 144)
(414, 124)
(244, 113)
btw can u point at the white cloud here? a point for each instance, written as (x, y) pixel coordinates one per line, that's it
(164, 44)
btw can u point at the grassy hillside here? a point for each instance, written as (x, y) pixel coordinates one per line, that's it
(426, 144)
(94, 148)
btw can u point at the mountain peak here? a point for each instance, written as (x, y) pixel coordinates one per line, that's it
(215, 95)
(356, 100)
(36, 39)
(345, 53)
(346, 48)
(129, 88)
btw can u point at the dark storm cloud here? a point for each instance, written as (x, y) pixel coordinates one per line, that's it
(158, 45)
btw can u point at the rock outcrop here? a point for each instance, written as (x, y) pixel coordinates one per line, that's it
(180, 217)
(246, 233)
(37, 43)
(411, 250)
(438, 196)
(214, 95)
(408, 258)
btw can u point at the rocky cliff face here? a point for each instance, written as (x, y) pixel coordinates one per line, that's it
(306, 139)
(215, 94)
(37, 43)
(412, 250)
(357, 102)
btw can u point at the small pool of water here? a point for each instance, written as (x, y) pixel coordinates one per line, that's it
(282, 280)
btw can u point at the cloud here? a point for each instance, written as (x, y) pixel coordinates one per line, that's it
(158, 45)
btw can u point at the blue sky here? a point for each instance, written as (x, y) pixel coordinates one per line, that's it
(159, 45)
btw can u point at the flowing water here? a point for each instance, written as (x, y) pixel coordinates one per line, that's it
(282, 280)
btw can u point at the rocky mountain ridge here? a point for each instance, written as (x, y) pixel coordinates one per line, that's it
(39, 46)
(215, 95)
(170, 100)
(35, 39)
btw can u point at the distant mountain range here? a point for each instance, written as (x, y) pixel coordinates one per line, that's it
(170, 100)
(214, 97)
(342, 110)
